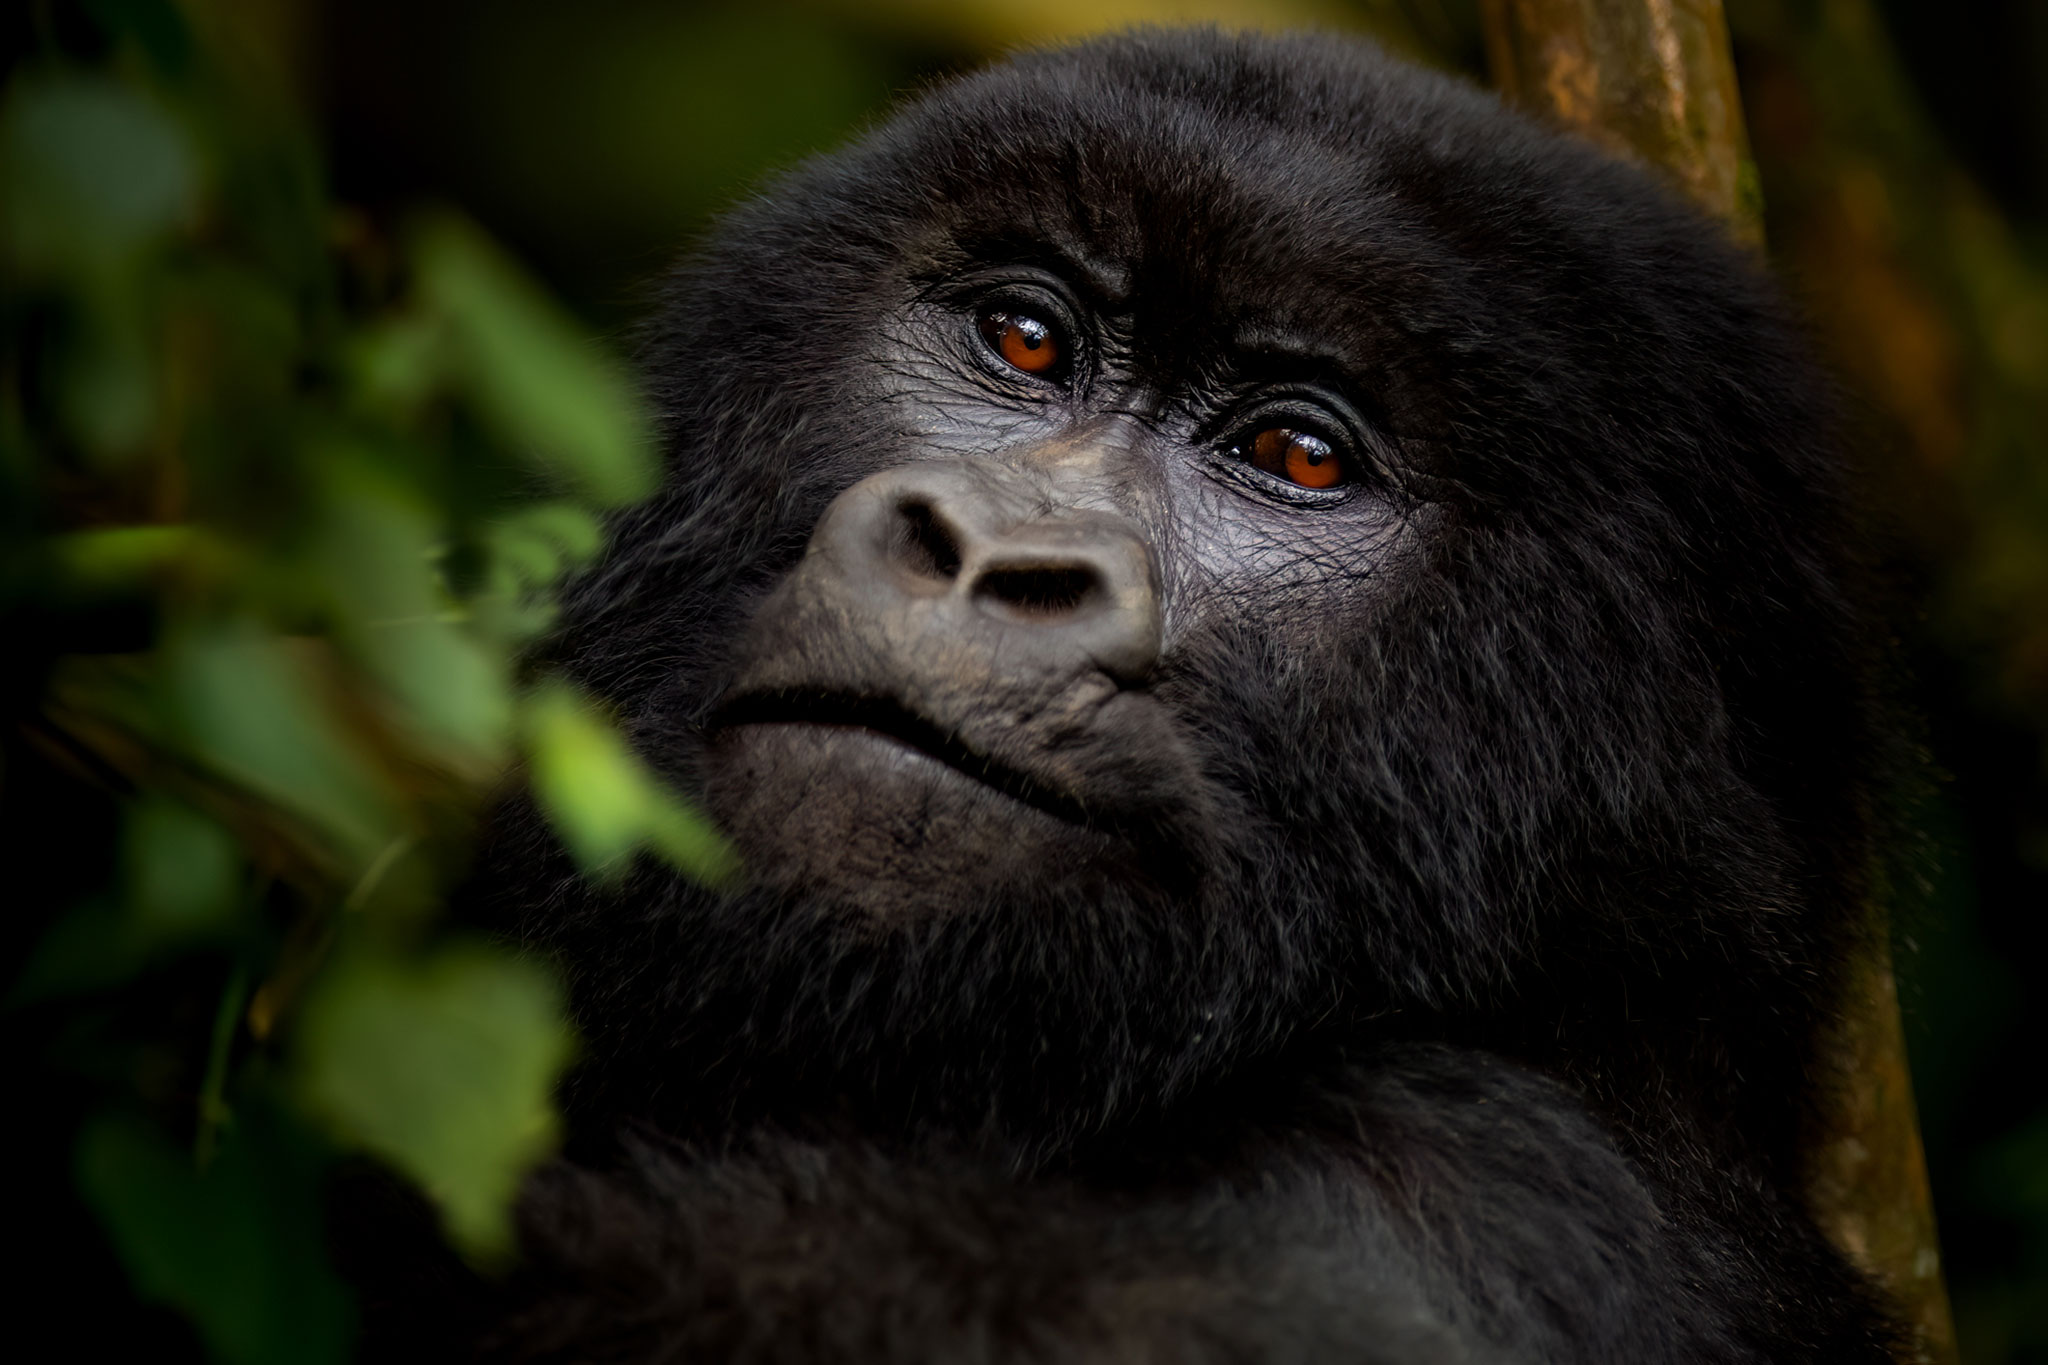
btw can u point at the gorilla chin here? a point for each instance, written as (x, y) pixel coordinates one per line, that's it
(850, 814)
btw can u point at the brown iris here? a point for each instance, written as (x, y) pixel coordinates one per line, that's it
(1298, 457)
(1022, 341)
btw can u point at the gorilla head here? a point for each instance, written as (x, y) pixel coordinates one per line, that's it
(1193, 554)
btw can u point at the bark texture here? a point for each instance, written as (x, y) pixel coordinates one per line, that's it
(1651, 80)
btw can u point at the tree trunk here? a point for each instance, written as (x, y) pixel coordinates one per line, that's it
(1654, 81)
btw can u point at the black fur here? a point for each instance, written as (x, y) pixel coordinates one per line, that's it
(1461, 1004)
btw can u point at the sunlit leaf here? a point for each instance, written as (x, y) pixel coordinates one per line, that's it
(236, 1246)
(688, 841)
(587, 781)
(376, 551)
(445, 1068)
(603, 800)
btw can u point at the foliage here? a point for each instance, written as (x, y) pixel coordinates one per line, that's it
(284, 496)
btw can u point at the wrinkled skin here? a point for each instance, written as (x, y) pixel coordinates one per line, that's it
(1191, 915)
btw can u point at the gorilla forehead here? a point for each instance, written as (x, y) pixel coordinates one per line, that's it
(1249, 188)
(1478, 282)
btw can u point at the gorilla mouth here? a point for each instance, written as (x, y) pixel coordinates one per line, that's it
(893, 721)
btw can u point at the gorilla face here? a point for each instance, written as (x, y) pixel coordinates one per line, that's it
(952, 691)
(1190, 545)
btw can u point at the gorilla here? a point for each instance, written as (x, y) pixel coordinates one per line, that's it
(1282, 651)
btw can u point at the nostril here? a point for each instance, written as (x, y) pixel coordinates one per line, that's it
(924, 544)
(1047, 592)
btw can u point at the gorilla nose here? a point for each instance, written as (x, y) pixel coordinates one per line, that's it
(990, 553)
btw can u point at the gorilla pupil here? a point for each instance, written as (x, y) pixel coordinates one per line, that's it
(1024, 343)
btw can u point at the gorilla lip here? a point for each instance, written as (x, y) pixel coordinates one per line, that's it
(894, 721)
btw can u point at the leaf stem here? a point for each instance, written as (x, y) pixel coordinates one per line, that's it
(213, 1108)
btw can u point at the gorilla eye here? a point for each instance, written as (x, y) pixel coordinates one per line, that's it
(1022, 341)
(1298, 457)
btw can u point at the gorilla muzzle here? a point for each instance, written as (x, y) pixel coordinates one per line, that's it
(1000, 608)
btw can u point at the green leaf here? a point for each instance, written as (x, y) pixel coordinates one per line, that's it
(125, 559)
(107, 381)
(603, 800)
(237, 1246)
(375, 552)
(244, 706)
(91, 172)
(398, 363)
(569, 528)
(183, 871)
(181, 875)
(586, 780)
(547, 392)
(444, 1068)
(542, 542)
(689, 842)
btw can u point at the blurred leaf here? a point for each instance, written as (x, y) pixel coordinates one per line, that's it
(92, 171)
(689, 842)
(236, 1246)
(549, 393)
(445, 1068)
(603, 800)
(376, 551)
(400, 362)
(527, 554)
(183, 871)
(243, 705)
(107, 382)
(181, 879)
(546, 540)
(125, 558)
(587, 781)
(508, 607)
